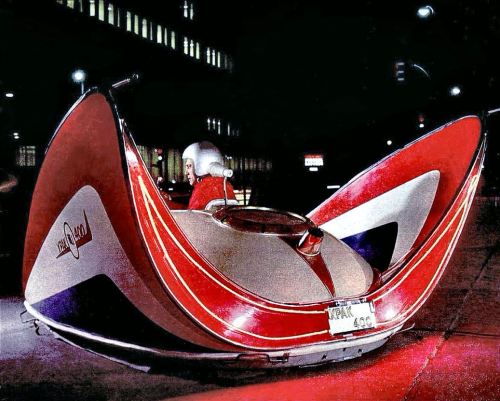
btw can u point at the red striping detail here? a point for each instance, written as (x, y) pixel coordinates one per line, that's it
(412, 286)
(436, 151)
(86, 151)
(318, 265)
(216, 307)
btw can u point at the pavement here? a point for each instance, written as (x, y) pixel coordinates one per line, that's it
(452, 352)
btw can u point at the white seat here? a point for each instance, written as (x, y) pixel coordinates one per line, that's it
(268, 266)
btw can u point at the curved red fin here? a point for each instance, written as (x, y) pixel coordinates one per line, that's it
(87, 156)
(437, 163)
(85, 150)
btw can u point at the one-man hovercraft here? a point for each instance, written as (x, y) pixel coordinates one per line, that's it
(108, 262)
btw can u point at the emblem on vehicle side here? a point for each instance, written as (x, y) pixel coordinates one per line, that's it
(74, 238)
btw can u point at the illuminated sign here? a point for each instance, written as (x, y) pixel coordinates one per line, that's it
(315, 160)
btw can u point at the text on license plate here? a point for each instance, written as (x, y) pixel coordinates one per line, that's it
(351, 317)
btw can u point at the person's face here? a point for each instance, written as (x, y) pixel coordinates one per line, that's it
(190, 172)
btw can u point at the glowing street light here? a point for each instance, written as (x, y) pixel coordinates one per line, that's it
(455, 90)
(389, 142)
(15, 135)
(9, 95)
(78, 77)
(425, 12)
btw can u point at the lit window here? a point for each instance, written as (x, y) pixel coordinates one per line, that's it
(188, 9)
(218, 59)
(213, 57)
(145, 155)
(92, 8)
(208, 53)
(70, 3)
(25, 156)
(208, 123)
(60, 1)
(159, 34)
(399, 71)
(191, 48)
(136, 24)
(118, 18)
(101, 10)
(218, 126)
(197, 51)
(145, 28)
(228, 129)
(172, 39)
(186, 45)
(129, 21)
(111, 14)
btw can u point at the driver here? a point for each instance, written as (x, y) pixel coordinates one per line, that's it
(206, 173)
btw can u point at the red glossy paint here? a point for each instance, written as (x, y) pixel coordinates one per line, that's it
(216, 303)
(203, 306)
(437, 150)
(87, 150)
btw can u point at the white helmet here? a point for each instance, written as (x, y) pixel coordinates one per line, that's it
(207, 159)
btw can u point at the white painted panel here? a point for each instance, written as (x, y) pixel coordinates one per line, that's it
(408, 205)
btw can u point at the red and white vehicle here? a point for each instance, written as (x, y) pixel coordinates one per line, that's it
(107, 262)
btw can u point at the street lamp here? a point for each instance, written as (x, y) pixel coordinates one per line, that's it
(455, 90)
(425, 12)
(78, 77)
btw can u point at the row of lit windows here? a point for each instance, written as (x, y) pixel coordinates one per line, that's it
(147, 29)
(168, 164)
(188, 8)
(221, 128)
(26, 156)
(240, 164)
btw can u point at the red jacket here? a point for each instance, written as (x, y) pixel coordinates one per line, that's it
(207, 189)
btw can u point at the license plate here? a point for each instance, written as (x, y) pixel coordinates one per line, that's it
(351, 317)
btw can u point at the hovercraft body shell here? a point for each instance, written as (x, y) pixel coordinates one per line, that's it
(93, 179)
